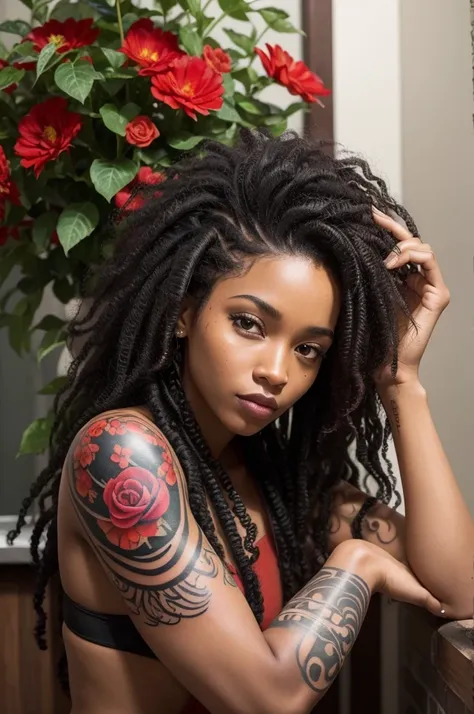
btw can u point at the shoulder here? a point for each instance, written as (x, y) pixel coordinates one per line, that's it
(125, 480)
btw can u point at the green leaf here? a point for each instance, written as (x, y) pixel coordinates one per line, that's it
(252, 107)
(24, 49)
(18, 335)
(54, 386)
(63, 290)
(229, 85)
(51, 340)
(247, 76)
(76, 222)
(43, 228)
(109, 177)
(194, 6)
(45, 56)
(184, 141)
(75, 79)
(113, 119)
(245, 42)
(115, 59)
(15, 27)
(35, 439)
(48, 323)
(10, 75)
(190, 40)
(228, 112)
(237, 9)
(278, 20)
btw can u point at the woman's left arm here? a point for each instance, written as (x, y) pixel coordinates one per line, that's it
(436, 537)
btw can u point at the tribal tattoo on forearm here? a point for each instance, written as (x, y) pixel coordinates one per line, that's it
(128, 492)
(329, 613)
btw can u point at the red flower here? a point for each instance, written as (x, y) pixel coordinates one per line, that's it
(191, 85)
(121, 456)
(136, 499)
(145, 176)
(151, 47)
(141, 131)
(85, 452)
(27, 66)
(217, 59)
(166, 469)
(84, 485)
(295, 76)
(115, 427)
(8, 189)
(45, 132)
(97, 428)
(68, 35)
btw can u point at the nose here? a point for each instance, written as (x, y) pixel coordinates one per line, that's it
(272, 367)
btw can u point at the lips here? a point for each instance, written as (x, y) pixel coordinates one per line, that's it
(268, 402)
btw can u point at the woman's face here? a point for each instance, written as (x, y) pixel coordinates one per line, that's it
(256, 346)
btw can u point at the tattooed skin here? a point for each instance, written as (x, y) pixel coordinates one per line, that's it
(329, 612)
(127, 490)
(383, 529)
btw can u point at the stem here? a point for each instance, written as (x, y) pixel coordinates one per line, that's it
(216, 22)
(119, 20)
(256, 43)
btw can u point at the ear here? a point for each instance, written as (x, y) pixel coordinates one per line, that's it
(186, 316)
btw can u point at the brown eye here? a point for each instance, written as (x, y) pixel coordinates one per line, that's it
(247, 323)
(310, 352)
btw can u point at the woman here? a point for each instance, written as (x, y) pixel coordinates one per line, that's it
(252, 346)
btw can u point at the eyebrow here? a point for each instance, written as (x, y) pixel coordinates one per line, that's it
(276, 315)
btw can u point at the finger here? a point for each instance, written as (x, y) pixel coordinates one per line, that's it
(399, 231)
(423, 258)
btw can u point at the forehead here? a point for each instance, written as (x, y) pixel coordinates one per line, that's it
(302, 291)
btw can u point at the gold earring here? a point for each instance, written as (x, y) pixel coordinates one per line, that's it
(180, 332)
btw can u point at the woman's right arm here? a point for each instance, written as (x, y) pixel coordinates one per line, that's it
(131, 498)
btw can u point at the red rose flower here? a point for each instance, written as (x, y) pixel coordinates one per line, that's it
(68, 35)
(136, 499)
(217, 59)
(145, 176)
(150, 47)
(191, 85)
(141, 131)
(295, 76)
(45, 132)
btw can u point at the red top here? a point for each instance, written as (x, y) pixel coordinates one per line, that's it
(268, 573)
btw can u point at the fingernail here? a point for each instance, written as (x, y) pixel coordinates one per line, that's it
(379, 213)
(390, 260)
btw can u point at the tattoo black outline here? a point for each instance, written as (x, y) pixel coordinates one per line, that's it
(329, 611)
(158, 559)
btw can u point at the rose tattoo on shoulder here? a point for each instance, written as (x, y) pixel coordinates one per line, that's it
(128, 492)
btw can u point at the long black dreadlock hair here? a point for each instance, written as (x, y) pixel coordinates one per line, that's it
(214, 212)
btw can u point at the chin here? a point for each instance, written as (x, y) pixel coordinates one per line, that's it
(245, 427)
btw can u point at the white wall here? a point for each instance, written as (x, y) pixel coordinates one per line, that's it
(403, 98)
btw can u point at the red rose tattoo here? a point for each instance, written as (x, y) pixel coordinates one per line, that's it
(136, 501)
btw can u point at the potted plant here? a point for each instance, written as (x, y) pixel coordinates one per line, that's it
(97, 98)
